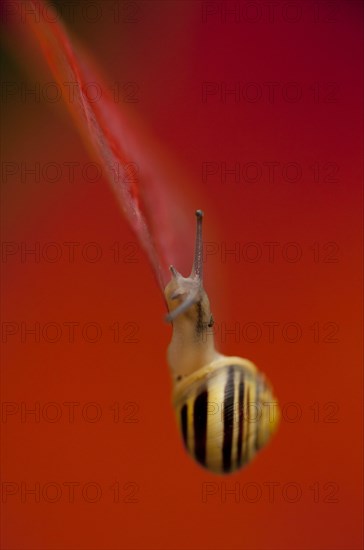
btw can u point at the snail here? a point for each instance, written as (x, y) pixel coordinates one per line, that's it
(222, 404)
(203, 378)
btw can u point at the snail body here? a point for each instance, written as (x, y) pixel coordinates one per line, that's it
(224, 405)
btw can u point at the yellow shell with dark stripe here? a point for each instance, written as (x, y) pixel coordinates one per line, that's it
(226, 412)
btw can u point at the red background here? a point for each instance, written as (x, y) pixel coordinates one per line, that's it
(170, 50)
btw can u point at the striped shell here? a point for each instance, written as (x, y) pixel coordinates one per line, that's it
(226, 413)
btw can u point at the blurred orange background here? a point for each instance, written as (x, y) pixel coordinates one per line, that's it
(274, 93)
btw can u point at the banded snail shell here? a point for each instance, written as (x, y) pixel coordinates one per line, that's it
(226, 412)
